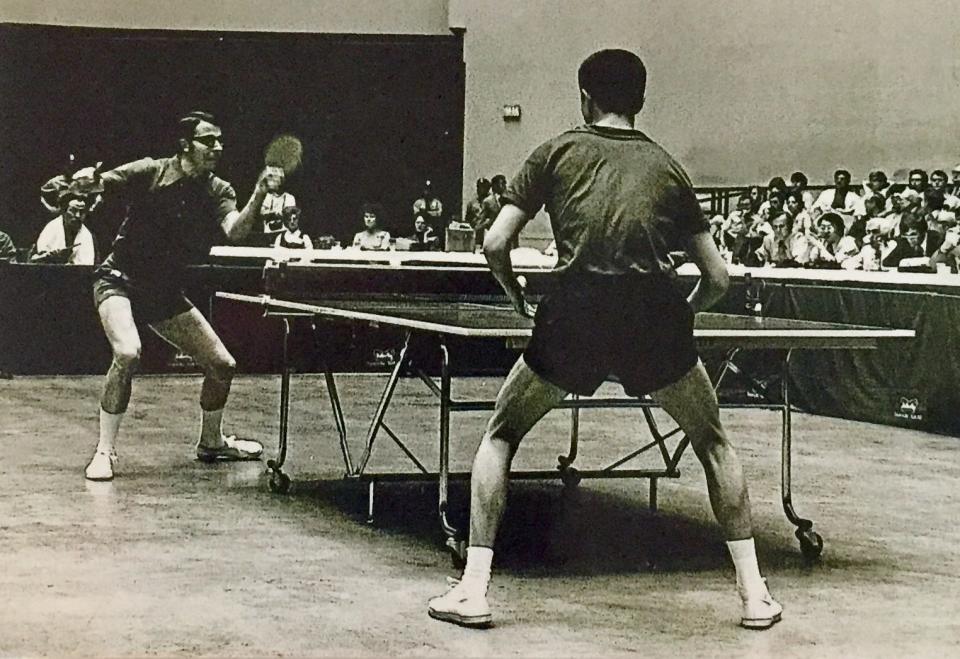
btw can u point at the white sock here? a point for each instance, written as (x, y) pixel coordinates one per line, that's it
(109, 429)
(210, 432)
(744, 556)
(477, 570)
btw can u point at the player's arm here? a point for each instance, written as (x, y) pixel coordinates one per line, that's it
(714, 280)
(236, 224)
(496, 248)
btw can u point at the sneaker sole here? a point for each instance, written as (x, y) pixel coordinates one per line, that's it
(760, 623)
(219, 457)
(474, 622)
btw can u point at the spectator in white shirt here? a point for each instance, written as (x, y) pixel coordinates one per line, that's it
(794, 207)
(372, 237)
(840, 198)
(876, 184)
(938, 181)
(64, 239)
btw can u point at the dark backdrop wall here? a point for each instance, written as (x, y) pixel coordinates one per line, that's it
(378, 114)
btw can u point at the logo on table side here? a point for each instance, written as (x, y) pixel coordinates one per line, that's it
(909, 408)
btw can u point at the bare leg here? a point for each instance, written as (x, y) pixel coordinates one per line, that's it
(191, 333)
(692, 403)
(116, 317)
(523, 400)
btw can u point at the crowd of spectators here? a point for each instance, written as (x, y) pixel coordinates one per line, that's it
(873, 226)
(877, 224)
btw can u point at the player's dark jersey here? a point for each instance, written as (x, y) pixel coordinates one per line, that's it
(618, 202)
(172, 220)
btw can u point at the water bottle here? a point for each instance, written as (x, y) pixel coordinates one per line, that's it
(752, 303)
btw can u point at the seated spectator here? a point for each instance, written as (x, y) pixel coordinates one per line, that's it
(876, 184)
(774, 205)
(739, 246)
(784, 248)
(372, 237)
(430, 207)
(830, 248)
(955, 175)
(64, 239)
(798, 183)
(473, 214)
(423, 238)
(873, 207)
(917, 180)
(756, 196)
(776, 186)
(938, 182)
(840, 198)
(932, 210)
(491, 203)
(949, 251)
(274, 203)
(951, 197)
(914, 241)
(292, 238)
(8, 251)
(799, 216)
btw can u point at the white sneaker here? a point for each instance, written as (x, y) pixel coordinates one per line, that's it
(760, 612)
(101, 466)
(232, 450)
(465, 604)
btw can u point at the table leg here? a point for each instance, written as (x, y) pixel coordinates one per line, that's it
(457, 547)
(279, 481)
(811, 544)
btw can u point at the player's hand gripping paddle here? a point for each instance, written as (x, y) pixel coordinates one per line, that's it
(285, 152)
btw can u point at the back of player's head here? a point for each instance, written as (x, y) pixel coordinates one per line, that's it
(615, 79)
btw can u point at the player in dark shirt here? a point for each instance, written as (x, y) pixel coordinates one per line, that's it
(618, 205)
(177, 209)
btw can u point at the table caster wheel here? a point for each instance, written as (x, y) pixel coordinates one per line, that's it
(279, 482)
(458, 552)
(811, 544)
(570, 477)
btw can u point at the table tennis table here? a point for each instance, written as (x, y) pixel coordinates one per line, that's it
(444, 319)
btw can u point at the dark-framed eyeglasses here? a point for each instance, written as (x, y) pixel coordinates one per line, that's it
(209, 141)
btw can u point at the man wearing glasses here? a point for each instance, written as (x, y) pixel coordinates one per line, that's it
(177, 209)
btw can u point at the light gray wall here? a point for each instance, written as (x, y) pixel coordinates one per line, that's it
(739, 90)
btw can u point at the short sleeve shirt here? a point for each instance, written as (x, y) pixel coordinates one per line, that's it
(172, 219)
(618, 202)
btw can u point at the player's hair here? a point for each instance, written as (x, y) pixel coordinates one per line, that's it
(799, 177)
(498, 181)
(796, 195)
(842, 171)
(918, 172)
(939, 172)
(911, 220)
(187, 125)
(776, 194)
(615, 79)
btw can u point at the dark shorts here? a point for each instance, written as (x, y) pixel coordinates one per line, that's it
(149, 305)
(638, 329)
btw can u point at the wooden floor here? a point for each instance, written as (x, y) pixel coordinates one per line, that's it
(179, 558)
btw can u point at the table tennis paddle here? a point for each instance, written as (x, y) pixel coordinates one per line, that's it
(284, 151)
